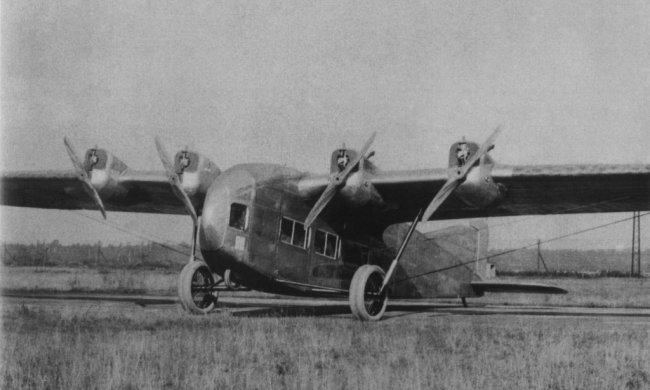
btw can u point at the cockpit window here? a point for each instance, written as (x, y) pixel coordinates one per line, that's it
(293, 232)
(238, 216)
(326, 244)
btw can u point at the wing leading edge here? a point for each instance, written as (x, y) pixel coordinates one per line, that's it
(529, 190)
(141, 191)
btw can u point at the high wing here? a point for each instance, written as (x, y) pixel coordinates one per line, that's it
(526, 190)
(141, 191)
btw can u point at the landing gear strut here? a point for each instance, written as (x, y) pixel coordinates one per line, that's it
(369, 285)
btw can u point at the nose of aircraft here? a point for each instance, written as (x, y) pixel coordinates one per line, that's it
(214, 217)
(218, 241)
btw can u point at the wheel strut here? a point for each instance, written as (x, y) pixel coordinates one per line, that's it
(195, 230)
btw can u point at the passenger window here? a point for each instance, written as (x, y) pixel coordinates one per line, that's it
(293, 232)
(286, 230)
(238, 216)
(298, 234)
(326, 244)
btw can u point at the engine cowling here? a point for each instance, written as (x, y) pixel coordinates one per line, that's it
(104, 170)
(197, 173)
(478, 189)
(357, 191)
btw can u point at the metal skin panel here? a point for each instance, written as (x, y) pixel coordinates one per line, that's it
(105, 171)
(268, 195)
(224, 247)
(292, 262)
(265, 258)
(197, 174)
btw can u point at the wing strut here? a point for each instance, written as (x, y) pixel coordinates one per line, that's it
(393, 264)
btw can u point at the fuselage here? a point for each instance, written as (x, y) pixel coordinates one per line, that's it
(252, 223)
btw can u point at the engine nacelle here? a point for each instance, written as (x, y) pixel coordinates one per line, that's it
(357, 191)
(478, 189)
(104, 170)
(197, 173)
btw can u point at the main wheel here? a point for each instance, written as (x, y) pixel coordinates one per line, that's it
(194, 285)
(365, 301)
(229, 280)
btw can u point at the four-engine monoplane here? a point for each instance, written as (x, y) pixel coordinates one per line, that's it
(348, 233)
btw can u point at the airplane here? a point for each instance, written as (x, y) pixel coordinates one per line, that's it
(347, 233)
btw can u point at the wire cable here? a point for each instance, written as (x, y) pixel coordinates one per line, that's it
(464, 263)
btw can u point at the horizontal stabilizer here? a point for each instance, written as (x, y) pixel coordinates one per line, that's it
(514, 287)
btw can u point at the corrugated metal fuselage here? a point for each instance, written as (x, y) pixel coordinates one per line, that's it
(247, 219)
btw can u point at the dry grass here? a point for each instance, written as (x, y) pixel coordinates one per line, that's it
(76, 348)
(89, 280)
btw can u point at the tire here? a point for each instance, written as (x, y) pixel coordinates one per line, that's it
(365, 304)
(193, 276)
(229, 281)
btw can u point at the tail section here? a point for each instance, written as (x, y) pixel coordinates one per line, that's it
(450, 263)
(440, 263)
(483, 269)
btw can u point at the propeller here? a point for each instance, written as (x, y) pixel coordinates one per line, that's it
(336, 181)
(84, 177)
(175, 180)
(453, 182)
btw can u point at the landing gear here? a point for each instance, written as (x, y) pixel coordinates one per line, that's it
(195, 285)
(367, 301)
(230, 281)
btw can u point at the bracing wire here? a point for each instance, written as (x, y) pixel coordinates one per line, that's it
(164, 243)
(464, 263)
(151, 238)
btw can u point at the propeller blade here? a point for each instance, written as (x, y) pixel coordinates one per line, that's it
(453, 182)
(446, 190)
(83, 176)
(335, 182)
(164, 158)
(486, 147)
(78, 164)
(324, 199)
(175, 180)
(96, 198)
(362, 153)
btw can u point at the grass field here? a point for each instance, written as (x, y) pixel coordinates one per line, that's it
(86, 348)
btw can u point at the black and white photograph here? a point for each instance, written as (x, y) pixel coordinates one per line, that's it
(325, 194)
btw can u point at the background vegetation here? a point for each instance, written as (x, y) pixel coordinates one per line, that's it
(173, 256)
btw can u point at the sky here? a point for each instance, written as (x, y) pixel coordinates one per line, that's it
(289, 81)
